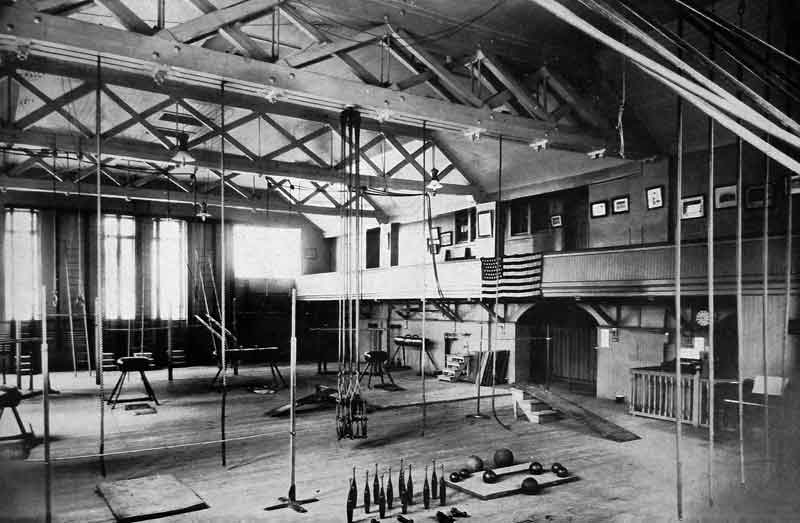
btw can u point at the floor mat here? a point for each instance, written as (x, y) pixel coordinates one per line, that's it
(140, 409)
(149, 497)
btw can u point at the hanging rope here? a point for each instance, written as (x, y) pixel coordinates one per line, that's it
(621, 110)
(499, 256)
(351, 415)
(739, 300)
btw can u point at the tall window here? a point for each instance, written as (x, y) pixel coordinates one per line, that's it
(265, 252)
(519, 217)
(119, 242)
(22, 264)
(465, 225)
(168, 270)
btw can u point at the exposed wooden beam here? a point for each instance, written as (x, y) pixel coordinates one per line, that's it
(211, 134)
(154, 195)
(208, 23)
(126, 16)
(217, 129)
(324, 50)
(408, 158)
(521, 94)
(144, 151)
(53, 105)
(233, 33)
(564, 137)
(166, 142)
(144, 115)
(303, 25)
(445, 77)
(412, 81)
(564, 91)
(61, 7)
(296, 143)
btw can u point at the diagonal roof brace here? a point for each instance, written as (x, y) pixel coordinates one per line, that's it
(72, 40)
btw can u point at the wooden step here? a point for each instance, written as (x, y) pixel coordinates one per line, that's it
(536, 406)
(544, 416)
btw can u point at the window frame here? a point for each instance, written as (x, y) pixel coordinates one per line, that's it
(471, 215)
(10, 264)
(118, 237)
(528, 217)
(156, 276)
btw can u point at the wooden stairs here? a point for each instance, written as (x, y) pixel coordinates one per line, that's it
(454, 369)
(536, 410)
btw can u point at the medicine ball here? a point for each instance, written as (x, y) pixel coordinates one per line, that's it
(503, 458)
(489, 476)
(535, 468)
(530, 486)
(474, 463)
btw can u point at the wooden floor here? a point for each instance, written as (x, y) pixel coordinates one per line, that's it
(633, 481)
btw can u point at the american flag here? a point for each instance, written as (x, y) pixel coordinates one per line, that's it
(512, 276)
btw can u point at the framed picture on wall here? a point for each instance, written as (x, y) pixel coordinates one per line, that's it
(447, 239)
(725, 196)
(555, 221)
(620, 204)
(693, 207)
(599, 209)
(794, 184)
(485, 224)
(754, 196)
(655, 197)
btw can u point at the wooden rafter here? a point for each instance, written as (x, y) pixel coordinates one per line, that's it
(211, 134)
(520, 93)
(166, 142)
(148, 151)
(126, 16)
(24, 184)
(445, 77)
(233, 33)
(50, 106)
(133, 120)
(567, 95)
(326, 48)
(409, 158)
(307, 91)
(295, 143)
(212, 21)
(213, 127)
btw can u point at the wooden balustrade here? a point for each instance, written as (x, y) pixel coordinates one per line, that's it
(652, 395)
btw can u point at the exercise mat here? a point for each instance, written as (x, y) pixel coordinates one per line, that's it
(149, 497)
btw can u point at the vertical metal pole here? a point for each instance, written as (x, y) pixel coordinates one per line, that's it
(223, 268)
(99, 300)
(740, 305)
(678, 376)
(292, 393)
(711, 310)
(787, 291)
(18, 351)
(46, 407)
(765, 307)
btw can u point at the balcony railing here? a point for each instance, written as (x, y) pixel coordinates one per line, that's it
(652, 395)
(620, 271)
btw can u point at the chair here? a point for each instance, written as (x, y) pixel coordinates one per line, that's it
(128, 364)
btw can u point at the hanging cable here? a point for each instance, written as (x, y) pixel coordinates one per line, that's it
(739, 261)
(621, 109)
(498, 252)
(99, 300)
(711, 295)
(223, 270)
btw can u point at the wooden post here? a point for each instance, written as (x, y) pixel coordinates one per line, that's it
(18, 351)
(223, 266)
(740, 306)
(169, 345)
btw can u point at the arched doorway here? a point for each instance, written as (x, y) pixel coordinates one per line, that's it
(570, 357)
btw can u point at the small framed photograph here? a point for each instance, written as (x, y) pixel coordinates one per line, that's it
(693, 207)
(725, 196)
(620, 204)
(655, 197)
(311, 253)
(447, 239)
(485, 224)
(794, 184)
(555, 221)
(599, 209)
(754, 196)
